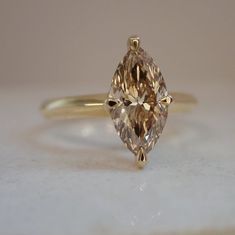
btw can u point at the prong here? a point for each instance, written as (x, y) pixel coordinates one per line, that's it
(133, 43)
(111, 103)
(141, 158)
(167, 100)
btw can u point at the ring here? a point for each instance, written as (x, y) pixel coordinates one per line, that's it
(137, 102)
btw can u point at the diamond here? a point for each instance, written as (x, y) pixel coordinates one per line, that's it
(138, 100)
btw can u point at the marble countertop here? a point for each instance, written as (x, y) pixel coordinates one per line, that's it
(77, 177)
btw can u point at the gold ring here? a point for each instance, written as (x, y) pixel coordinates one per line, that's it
(137, 102)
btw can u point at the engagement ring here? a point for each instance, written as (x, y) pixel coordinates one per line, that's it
(137, 102)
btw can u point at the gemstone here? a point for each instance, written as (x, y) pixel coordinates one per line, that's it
(137, 101)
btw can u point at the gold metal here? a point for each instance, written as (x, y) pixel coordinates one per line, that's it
(133, 43)
(167, 100)
(141, 158)
(94, 105)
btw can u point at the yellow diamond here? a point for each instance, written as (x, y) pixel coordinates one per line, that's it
(136, 101)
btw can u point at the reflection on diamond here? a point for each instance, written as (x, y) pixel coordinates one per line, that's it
(134, 101)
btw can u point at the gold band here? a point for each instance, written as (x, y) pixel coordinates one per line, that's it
(93, 105)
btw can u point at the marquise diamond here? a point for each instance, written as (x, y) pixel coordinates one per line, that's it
(138, 100)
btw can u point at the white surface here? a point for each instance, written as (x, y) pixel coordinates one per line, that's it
(76, 177)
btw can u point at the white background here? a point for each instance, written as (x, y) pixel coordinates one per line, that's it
(76, 177)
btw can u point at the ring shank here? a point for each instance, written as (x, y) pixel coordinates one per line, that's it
(93, 106)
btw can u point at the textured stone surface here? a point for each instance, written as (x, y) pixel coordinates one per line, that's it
(134, 101)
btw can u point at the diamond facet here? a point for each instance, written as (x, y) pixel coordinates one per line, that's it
(138, 101)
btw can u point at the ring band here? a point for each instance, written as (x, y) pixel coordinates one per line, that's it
(137, 102)
(94, 106)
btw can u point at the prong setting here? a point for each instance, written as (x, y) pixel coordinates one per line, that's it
(133, 43)
(111, 103)
(141, 158)
(167, 100)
